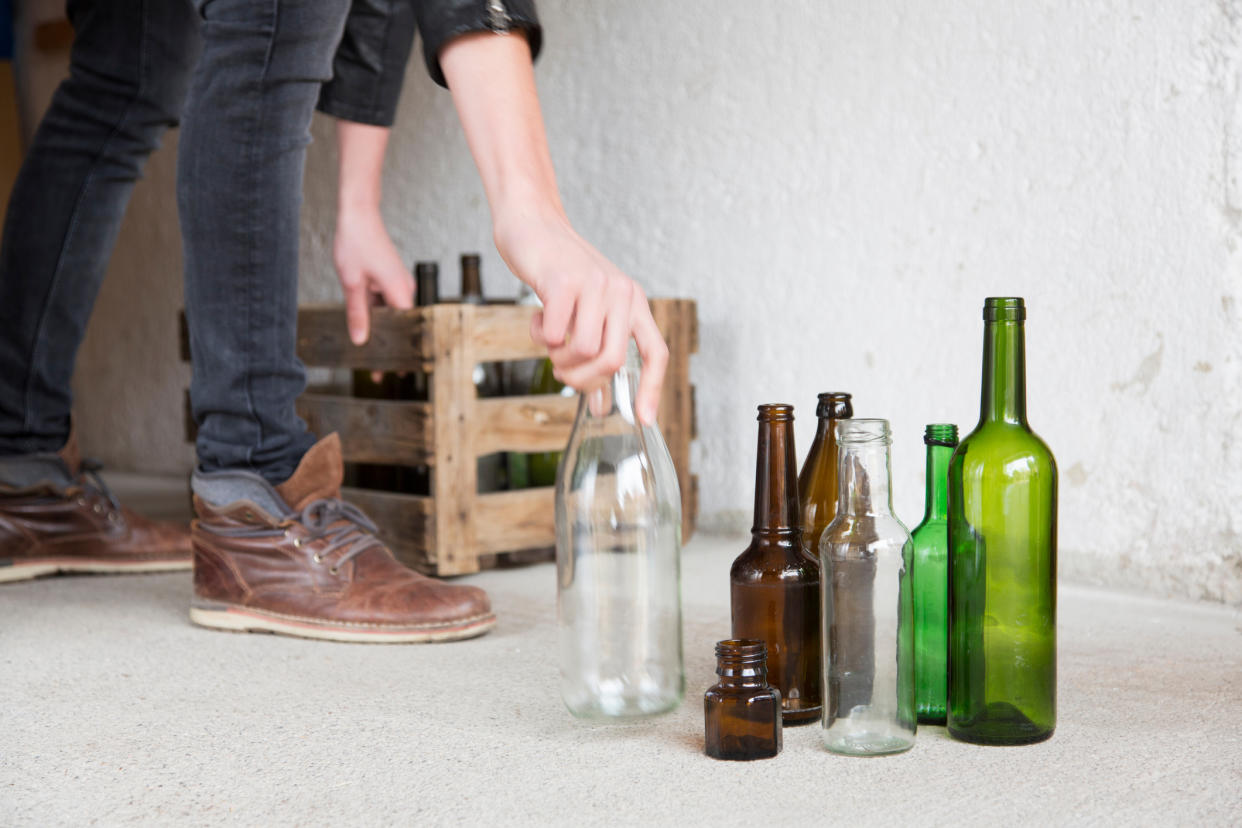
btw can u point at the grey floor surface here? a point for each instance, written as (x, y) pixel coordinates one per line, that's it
(118, 711)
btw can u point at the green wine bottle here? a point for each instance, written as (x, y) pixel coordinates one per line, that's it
(931, 579)
(1002, 556)
(542, 465)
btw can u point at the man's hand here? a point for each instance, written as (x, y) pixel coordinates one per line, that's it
(370, 270)
(591, 309)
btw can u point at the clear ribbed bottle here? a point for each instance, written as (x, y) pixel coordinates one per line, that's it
(865, 556)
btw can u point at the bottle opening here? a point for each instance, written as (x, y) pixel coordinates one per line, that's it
(835, 405)
(776, 412)
(742, 651)
(940, 434)
(1004, 309)
(863, 433)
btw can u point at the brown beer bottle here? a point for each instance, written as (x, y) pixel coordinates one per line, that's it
(817, 481)
(742, 712)
(774, 584)
(416, 385)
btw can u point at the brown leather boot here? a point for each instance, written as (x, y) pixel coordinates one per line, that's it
(69, 521)
(297, 560)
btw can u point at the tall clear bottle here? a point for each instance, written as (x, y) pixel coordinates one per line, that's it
(1002, 555)
(817, 482)
(931, 579)
(865, 555)
(774, 583)
(618, 550)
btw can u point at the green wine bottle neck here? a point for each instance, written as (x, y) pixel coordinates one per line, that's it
(1004, 372)
(776, 472)
(938, 458)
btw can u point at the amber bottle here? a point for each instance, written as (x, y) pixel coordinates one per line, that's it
(817, 482)
(775, 582)
(742, 712)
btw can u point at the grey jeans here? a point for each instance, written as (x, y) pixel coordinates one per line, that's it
(242, 78)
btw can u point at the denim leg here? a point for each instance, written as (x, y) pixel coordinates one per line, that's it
(128, 75)
(239, 190)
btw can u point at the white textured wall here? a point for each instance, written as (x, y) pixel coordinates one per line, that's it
(840, 185)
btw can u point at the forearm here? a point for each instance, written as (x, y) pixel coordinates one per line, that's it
(361, 149)
(493, 85)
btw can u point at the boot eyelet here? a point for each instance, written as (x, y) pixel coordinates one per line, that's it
(81, 501)
(318, 559)
(334, 570)
(297, 542)
(98, 509)
(115, 517)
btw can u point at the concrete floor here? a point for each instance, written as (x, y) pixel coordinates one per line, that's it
(119, 711)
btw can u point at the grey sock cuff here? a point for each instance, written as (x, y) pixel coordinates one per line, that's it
(26, 471)
(224, 487)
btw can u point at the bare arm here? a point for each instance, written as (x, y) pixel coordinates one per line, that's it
(366, 260)
(591, 308)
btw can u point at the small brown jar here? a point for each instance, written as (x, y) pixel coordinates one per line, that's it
(742, 712)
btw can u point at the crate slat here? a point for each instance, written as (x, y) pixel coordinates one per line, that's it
(502, 333)
(372, 431)
(522, 519)
(400, 339)
(531, 424)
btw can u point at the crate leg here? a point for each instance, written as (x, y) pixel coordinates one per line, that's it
(678, 321)
(454, 474)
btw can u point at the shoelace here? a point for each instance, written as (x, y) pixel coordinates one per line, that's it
(356, 534)
(90, 469)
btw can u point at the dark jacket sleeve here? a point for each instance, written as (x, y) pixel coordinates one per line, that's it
(439, 21)
(369, 66)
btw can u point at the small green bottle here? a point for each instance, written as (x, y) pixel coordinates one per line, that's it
(542, 465)
(1002, 556)
(931, 579)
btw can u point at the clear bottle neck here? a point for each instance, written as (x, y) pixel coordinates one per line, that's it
(616, 399)
(863, 468)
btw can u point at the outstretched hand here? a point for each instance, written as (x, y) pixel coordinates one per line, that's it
(590, 308)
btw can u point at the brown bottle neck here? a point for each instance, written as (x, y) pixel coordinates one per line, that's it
(776, 477)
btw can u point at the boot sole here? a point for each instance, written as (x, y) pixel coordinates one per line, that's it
(244, 619)
(29, 570)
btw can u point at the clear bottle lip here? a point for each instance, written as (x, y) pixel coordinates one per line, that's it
(1004, 309)
(863, 432)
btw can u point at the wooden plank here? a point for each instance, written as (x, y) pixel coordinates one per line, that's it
(676, 319)
(406, 522)
(531, 423)
(502, 333)
(454, 477)
(372, 431)
(400, 339)
(523, 519)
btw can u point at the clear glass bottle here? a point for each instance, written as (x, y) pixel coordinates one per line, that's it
(868, 634)
(931, 579)
(742, 712)
(1003, 555)
(618, 550)
(817, 482)
(774, 583)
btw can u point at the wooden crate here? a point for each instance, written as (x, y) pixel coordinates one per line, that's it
(457, 530)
